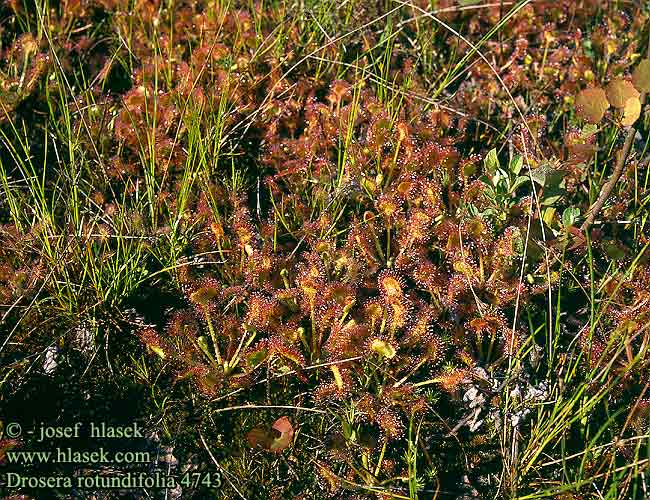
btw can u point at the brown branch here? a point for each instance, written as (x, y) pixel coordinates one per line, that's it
(609, 186)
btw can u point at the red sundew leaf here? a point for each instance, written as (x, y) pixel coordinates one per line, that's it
(278, 438)
(152, 340)
(6, 445)
(204, 295)
(329, 478)
(591, 104)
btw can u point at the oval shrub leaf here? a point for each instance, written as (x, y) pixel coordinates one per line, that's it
(619, 91)
(591, 104)
(631, 112)
(641, 76)
(491, 161)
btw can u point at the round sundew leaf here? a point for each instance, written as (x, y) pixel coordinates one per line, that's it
(631, 111)
(255, 358)
(392, 286)
(641, 76)
(591, 104)
(619, 91)
(204, 295)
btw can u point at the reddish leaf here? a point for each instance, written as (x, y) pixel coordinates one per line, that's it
(6, 445)
(278, 438)
(284, 427)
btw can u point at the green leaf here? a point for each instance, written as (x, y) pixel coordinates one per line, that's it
(496, 178)
(552, 195)
(383, 348)
(469, 169)
(614, 251)
(255, 358)
(204, 295)
(504, 174)
(588, 130)
(203, 344)
(519, 181)
(516, 164)
(539, 232)
(549, 215)
(548, 176)
(491, 162)
(348, 431)
(518, 244)
(570, 216)
(337, 376)
(158, 351)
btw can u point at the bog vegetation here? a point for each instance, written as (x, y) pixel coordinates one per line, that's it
(351, 250)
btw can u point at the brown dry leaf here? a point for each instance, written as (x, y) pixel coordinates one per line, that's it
(631, 111)
(641, 76)
(591, 104)
(259, 438)
(619, 91)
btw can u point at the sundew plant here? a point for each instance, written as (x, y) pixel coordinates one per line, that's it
(391, 249)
